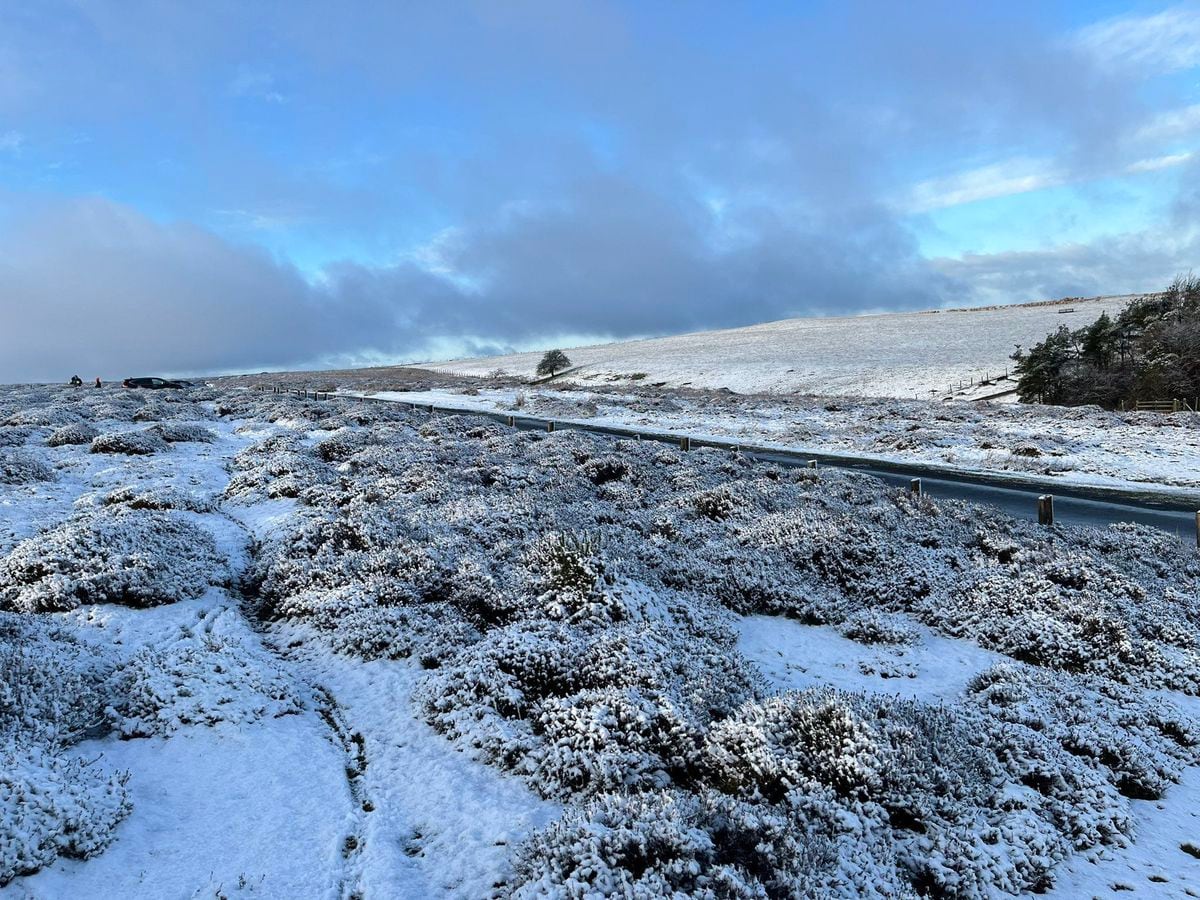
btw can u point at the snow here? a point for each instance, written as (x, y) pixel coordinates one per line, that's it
(472, 662)
(908, 355)
(794, 656)
(250, 810)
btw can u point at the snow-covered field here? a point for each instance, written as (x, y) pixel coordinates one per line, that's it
(255, 645)
(1071, 445)
(909, 355)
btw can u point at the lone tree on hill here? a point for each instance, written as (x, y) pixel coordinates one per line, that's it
(553, 361)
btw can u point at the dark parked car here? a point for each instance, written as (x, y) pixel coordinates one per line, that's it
(150, 383)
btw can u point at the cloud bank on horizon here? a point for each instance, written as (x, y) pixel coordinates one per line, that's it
(228, 186)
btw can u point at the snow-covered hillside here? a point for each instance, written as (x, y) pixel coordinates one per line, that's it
(922, 355)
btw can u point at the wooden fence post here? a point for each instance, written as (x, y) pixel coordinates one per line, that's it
(510, 421)
(1198, 529)
(550, 426)
(812, 464)
(914, 486)
(1045, 507)
(685, 443)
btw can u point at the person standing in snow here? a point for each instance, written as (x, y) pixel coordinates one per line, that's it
(76, 381)
(98, 384)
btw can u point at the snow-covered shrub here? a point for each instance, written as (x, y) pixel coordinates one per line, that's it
(430, 632)
(16, 435)
(23, 467)
(154, 497)
(75, 433)
(924, 781)
(567, 573)
(183, 432)
(200, 680)
(672, 844)
(274, 468)
(130, 443)
(869, 626)
(53, 806)
(51, 685)
(111, 555)
(579, 711)
(53, 415)
(1144, 744)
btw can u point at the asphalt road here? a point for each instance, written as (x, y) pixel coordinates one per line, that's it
(1014, 494)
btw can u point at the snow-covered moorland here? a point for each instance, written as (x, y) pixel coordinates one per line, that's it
(907, 355)
(307, 648)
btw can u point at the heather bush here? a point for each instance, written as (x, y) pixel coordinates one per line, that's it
(16, 435)
(183, 432)
(130, 443)
(111, 555)
(23, 467)
(53, 806)
(199, 680)
(75, 433)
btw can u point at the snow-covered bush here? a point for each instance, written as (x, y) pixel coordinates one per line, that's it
(53, 806)
(23, 467)
(52, 693)
(111, 555)
(1144, 744)
(16, 435)
(183, 432)
(276, 467)
(869, 626)
(153, 497)
(200, 680)
(75, 433)
(51, 685)
(578, 711)
(130, 443)
(52, 415)
(709, 845)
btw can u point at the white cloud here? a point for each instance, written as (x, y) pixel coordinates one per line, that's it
(1171, 125)
(1157, 163)
(256, 85)
(1165, 42)
(1003, 179)
(11, 141)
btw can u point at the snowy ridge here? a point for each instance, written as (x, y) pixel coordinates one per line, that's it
(919, 355)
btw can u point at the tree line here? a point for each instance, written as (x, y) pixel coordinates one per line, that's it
(1150, 351)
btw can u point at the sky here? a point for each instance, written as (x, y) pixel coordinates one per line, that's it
(225, 186)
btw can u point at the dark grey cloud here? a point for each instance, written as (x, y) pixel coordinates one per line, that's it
(92, 288)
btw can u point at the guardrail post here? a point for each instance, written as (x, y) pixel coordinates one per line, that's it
(914, 486)
(550, 426)
(685, 443)
(1045, 507)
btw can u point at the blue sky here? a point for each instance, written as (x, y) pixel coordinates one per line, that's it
(189, 187)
